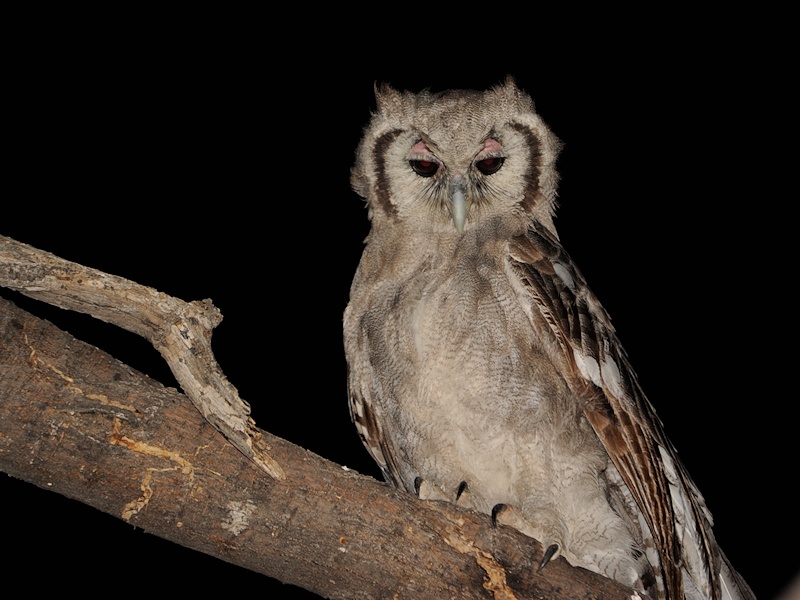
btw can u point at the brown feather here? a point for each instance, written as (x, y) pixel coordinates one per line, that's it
(628, 427)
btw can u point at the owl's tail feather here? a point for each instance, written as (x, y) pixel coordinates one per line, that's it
(732, 585)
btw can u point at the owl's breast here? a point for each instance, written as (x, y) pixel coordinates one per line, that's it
(471, 343)
(450, 337)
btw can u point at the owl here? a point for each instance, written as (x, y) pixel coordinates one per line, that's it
(483, 370)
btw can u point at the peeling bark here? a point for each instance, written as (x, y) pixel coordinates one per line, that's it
(180, 331)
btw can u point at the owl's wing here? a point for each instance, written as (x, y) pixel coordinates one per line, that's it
(597, 368)
(362, 382)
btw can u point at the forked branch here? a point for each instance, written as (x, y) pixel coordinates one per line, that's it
(180, 331)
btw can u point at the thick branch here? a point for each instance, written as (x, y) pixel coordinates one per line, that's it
(76, 421)
(180, 331)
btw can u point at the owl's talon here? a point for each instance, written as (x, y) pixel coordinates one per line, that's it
(496, 510)
(548, 554)
(462, 487)
(417, 485)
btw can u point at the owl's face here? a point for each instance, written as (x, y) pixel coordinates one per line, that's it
(447, 162)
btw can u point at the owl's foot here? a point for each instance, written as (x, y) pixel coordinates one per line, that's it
(508, 515)
(551, 551)
(427, 491)
(462, 488)
(496, 509)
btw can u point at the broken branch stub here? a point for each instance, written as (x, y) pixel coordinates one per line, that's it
(180, 331)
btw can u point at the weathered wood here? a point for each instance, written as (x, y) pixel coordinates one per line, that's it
(180, 331)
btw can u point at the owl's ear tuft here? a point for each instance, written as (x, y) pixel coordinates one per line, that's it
(510, 82)
(509, 87)
(386, 96)
(510, 90)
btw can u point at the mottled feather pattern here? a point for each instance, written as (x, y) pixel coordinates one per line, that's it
(620, 413)
(366, 416)
(484, 371)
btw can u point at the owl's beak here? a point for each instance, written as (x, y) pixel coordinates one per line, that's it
(459, 206)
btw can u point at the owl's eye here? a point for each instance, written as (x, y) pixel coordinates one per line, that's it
(424, 168)
(487, 166)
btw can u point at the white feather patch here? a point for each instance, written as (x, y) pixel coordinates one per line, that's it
(685, 525)
(565, 276)
(588, 367)
(363, 431)
(611, 378)
(676, 490)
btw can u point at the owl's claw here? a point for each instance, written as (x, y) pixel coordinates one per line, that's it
(548, 554)
(462, 487)
(424, 490)
(496, 510)
(508, 515)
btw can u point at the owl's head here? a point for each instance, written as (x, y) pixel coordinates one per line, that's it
(446, 162)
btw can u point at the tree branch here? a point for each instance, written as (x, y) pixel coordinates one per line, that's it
(76, 421)
(180, 331)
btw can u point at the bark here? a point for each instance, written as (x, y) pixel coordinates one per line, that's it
(76, 421)
(180, 331)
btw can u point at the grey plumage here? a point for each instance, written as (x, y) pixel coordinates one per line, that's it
(483, 370)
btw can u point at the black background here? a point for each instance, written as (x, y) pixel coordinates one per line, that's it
(209, 158)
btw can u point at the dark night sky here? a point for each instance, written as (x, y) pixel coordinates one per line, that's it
(186, 161)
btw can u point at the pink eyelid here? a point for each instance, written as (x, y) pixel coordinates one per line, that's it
(492, 145)
(420, 148)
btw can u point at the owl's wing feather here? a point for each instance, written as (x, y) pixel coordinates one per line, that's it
(597, 369)
(364, 413)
